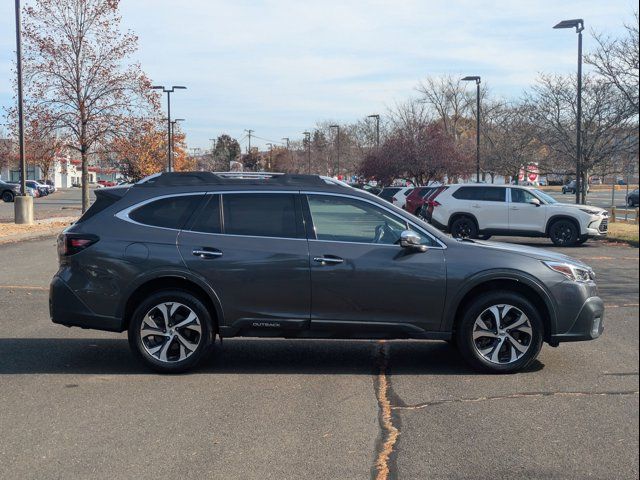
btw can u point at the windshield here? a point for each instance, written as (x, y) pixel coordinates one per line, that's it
(547, 198)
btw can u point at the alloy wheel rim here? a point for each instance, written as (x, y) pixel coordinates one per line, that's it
(502, 334)
(463, 230)
(170, 332)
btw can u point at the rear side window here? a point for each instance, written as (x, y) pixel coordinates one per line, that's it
(482, 194)
(262, 215)
(423, 191)
(170, 212)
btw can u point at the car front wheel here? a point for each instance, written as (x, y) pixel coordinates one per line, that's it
(7, 196)
(564, 233)
(171, 331)
(500, 332)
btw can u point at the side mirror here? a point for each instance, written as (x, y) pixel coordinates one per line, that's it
(535, 201)
(411, 240)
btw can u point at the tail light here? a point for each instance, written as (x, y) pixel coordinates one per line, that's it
(72, 243)
(433, 203)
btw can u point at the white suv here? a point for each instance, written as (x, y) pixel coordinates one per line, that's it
(479, 211)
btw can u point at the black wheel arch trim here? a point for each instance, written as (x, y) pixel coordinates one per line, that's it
(159, 274)
(560, 216)
(454, 216)
(451, 307)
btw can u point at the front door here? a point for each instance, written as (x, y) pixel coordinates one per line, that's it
(252, 250)
(525, 216)
(361, 276)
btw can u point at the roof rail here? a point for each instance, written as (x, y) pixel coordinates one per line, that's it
(170, 179)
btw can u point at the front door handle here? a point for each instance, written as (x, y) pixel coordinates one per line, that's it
(202, 253)
(327, 260)
(475, 205)
(515, 208)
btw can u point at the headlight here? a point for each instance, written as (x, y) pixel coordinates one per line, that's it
(572, 272)
(589, 211)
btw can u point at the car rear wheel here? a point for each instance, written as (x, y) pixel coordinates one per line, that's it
(582, 239)
(500, 332)
(464, 227)
(563, 233)
(171, 331)
(7, 196)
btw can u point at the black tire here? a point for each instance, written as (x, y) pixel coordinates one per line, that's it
(8, 196)
(484, 237)
(466, 325)
(582, 239)
(564, 233)
(564, 192)
(204, 340)
(464, 227)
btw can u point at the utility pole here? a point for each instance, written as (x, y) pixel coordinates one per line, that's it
(337, 127)
(377, 117)
(286, 139)
(308, 142)
(270, 145)
(249, 132)
(23, 204)
(169, 91)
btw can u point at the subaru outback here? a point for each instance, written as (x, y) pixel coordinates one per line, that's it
(182, 258)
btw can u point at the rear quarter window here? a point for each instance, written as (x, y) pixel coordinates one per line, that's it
(169, 212)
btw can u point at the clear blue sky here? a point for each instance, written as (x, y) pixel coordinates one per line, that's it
(278, 66)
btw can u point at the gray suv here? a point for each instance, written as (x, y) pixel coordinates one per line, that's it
(182, 257)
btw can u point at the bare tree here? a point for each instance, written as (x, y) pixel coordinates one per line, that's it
(76, 69)
(609, 127)
(616, 60)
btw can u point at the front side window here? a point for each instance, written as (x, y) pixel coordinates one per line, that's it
(521, 196)
(342, 219)
(169, 212)
(262, 215)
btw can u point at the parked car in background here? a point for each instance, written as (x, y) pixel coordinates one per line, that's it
(193, 255)
(416, 199)
(431, 202)
(571, 187)
(8, 191)
(396, 195)
(42, 189)
(366, 187)
(632, 198)
(49, 184)
(472, 210)
(107, 183)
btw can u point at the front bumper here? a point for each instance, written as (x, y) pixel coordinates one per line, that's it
(588, 325)
(598, 226)
(65, 308)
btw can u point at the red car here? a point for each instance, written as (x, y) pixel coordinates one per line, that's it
(430, 203)
(416, 199)
(107, 183)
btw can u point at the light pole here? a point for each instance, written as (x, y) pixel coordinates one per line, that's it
(270, 145)
(337, 127)
(377, 117)
(23, 204)
(578, 24)
(475, 78)
(169, 91)
(286, 140)
(307, 139)
(249, 132)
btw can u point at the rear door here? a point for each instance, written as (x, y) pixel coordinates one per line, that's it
(524, 215)
(251, 247)
(361, 277)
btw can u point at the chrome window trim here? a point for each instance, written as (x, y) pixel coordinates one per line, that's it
(442, 246)
(124, 214)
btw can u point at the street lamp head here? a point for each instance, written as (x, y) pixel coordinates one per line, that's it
(334, 126)
(178, 87)
(576, 23)
(375, 115)
(157, 87)
(471, 78)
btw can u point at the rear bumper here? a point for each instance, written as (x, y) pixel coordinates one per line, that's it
(65, 308)
(588, 325)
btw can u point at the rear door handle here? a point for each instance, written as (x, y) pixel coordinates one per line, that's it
(328, 260)
(475, 205)
(515, 208)
(203, 253)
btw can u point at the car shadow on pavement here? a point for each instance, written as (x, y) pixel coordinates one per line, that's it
(236, 356)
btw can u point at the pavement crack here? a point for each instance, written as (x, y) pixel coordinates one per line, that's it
(384, 465)
(420, 406)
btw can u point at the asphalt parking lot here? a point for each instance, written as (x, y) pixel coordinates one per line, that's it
(75, 404)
